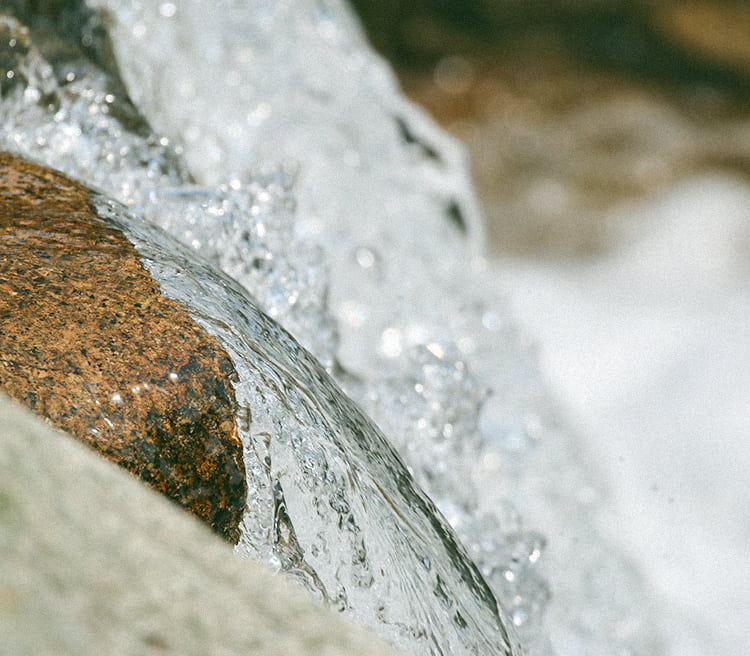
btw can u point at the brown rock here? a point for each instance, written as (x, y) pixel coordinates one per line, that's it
(88, 341)
(717, 30)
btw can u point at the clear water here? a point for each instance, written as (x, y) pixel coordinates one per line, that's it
(329, 501)
(285, 158)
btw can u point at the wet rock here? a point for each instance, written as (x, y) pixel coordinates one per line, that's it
(88, 341)
(71, 37)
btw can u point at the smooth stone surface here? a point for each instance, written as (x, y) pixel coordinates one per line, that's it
(88, 341)
(92, 562)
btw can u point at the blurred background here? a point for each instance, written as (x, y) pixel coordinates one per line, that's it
(610, 145)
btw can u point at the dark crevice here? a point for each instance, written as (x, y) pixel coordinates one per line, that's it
(409, 137)
(74, 40)
(456, 216)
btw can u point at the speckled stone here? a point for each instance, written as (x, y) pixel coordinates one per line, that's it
(88, 341)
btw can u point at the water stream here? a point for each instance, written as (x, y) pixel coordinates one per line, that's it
(332, 242)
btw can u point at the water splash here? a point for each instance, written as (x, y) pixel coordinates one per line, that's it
(349, 218)
(330, 502)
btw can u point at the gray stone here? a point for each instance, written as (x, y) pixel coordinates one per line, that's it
(93, 562)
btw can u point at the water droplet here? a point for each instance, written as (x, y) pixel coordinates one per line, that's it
(168, 9)
(390, 343)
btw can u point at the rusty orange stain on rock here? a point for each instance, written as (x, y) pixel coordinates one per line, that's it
(88, 341)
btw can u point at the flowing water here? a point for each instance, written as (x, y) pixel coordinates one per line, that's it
(308, 194)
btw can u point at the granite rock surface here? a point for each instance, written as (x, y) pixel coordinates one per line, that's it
(88, 342)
